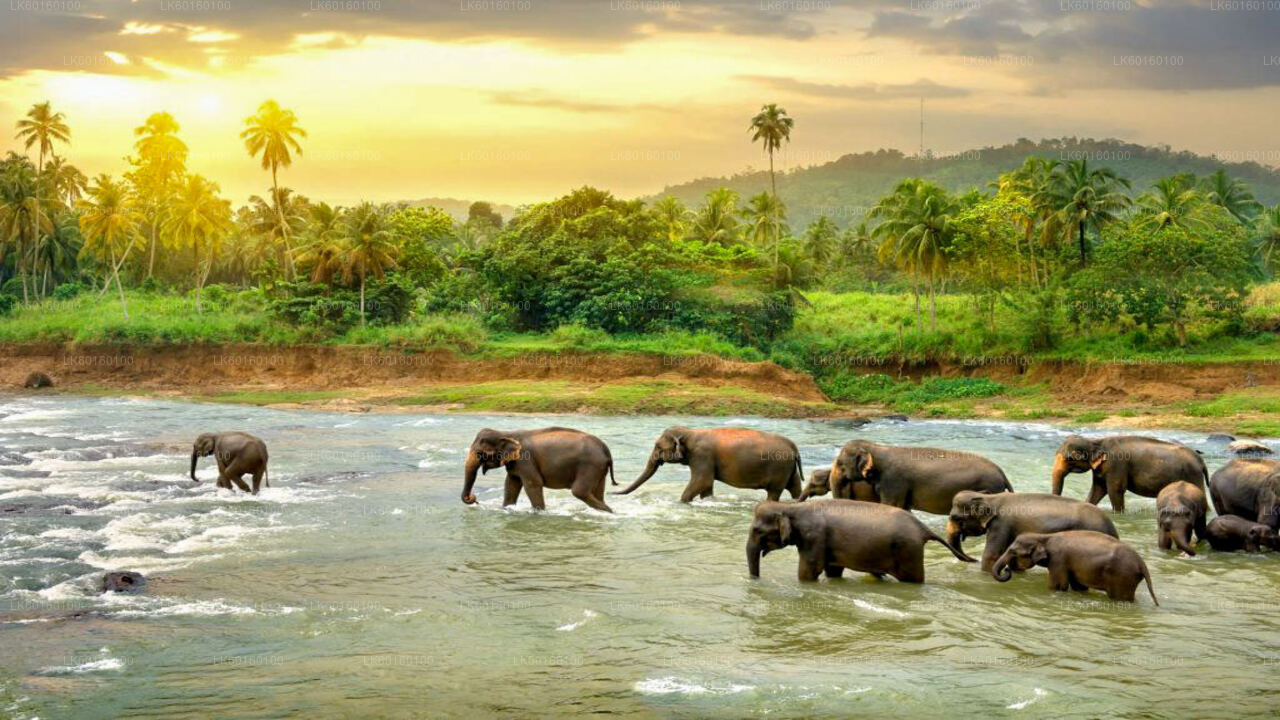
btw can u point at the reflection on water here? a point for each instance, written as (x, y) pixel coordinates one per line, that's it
(359, 581)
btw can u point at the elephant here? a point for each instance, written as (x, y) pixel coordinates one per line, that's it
(237, 454)
(740, 457)
(819, 485)
(832, 535)
(1250, 489)
(1120, 463)
(1078, 560)
(914, 478)
(1180, 509)
(1002, 517)
(1228, 533)
(552, 457)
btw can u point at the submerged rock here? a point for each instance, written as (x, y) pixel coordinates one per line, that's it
(124, 581)
(1221, 437)
(894, 418)
(1249, 448)
(38, 380)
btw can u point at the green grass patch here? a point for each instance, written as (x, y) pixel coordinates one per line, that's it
(1235, 403)
(1091, 417)
(272, 397)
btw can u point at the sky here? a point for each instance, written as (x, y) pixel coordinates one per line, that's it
(522, 100)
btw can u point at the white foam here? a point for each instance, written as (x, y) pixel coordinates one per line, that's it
(1020, 705)
(676, 686)
(877, 609)
(570, 627)
(103, 665)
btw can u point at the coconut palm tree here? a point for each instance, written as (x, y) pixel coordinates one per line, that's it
(43, 127)
(64, 182)
(855, 244)
(915, 233)
(201, 220)
(1232, 195)
(158, 171)
(1086, 198)
(53, 257)
(1269, 236)
(1029, 189)
(673, 216)
(717, 219)
(371, 247)
(273, 132)
(109, 224)
(324, 249)
(772, 127)
(820, 241)
(767, 224)
(1173, 202)
(24, 216)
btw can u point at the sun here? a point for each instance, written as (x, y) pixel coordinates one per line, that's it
(210, 104)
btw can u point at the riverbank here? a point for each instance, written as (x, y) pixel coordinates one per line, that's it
(1240, 398)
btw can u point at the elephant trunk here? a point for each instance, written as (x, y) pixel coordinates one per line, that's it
(753, 557)
(473, 464)
(195, 456)
(1060, 471)
(955, 536)
(1181, 538)
(804, 494)
(649, 469)
(1001, 571)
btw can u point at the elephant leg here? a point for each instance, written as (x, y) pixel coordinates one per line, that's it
(533, 488)
(240, 483)
(1164, 541)
(808, 570)
(795, 486)
(773, 493)
(835, 571)
(1115, 493)
(257, 480)
(1077, 585)
(1096, 491)
(911, 570)
(708, 492)
(1202, 532)
(511, 491)
(702, 479)
(584, 487)
(233, 474)
(1059, 576)
(998, 540)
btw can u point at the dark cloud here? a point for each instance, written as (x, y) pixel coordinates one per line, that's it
(57, 34)
(869, 91)
(1083, 44)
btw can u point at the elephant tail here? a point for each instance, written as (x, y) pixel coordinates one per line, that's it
(931, 535)
(1146, 574)
(1008, 486)
(612, 479)
(266, 477)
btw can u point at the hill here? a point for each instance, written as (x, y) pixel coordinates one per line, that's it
(844, 189)
(458, 208)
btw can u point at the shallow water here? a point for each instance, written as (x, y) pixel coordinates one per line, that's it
(359, 584)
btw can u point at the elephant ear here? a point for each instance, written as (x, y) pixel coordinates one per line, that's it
(868, 465)
(509, 450)
(679, 451)
(1267, 505)
(1039, 553)
(784, 529)
(1098, 460)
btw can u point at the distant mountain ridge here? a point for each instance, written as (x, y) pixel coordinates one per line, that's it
(844, 189)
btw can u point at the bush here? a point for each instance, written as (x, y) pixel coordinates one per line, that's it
(66, 291)
(7, 303)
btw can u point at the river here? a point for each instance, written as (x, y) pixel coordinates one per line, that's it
(359, 585)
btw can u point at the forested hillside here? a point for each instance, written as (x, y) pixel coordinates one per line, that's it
(845, 189)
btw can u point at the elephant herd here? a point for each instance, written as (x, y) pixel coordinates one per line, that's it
(867, 525)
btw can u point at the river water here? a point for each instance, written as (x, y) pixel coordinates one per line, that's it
(359, 585)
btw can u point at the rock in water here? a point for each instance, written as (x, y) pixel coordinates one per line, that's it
(125, 581)
(1221, 437)
(1248, 448)
(38, 380)
(894, 418)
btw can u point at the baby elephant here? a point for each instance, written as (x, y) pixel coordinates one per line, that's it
(820, 484)
(832, 535)
(238, 454)
(1078, 560)
(1180, 509)
(1229, 533)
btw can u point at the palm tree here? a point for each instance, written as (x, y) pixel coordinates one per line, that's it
(820, 241)
(1269, 235)
(64, 181)
(767, 224)
(717, 219)
(1172, 202)
(371, 247)
(771, 126)
(23, 215)
(1029, 189)
(1086, 199)
(43, 126)
(199, 217)
(325, 249)
(915, 232)
(159, 167)
(855, 244)
(53, 257)
(109, 225)
(673, 216)
(1231, 195)
(273, 132)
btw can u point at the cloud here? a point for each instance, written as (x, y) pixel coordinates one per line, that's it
(42, 34)
(868, 91)
(552, 102)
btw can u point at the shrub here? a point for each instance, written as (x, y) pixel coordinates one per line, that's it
(68, 290)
